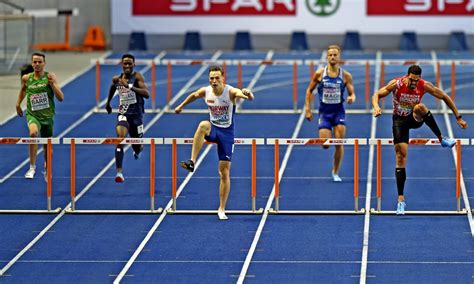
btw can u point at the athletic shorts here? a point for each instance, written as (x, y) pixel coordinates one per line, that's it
(329, 120)
(401, 127)
(135, 125)
(224, 138)
(45, 126)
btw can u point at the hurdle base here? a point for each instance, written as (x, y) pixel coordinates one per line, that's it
(317, 212)
(70, 211)
(213, 212)
(383, 212)
(55, 211)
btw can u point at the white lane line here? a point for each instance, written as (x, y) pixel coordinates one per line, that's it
(453, 151)
(253, 246)
(368, 194)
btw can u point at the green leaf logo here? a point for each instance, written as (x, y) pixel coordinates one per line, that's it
(323, 8)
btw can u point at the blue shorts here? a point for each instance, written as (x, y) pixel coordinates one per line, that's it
(135, 123)
(224, 138)
(329, 120)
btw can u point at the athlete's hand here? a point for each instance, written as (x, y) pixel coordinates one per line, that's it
(462, 123)
(19, 111)
(308, 114)
(178, 109)
(248, 93)
(108, 108)
(377, 111)
(51, 78)
(351, 99)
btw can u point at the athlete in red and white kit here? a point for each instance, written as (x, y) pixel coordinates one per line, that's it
(410, 113)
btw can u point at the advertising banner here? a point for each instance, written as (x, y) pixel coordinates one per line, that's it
(286, 16)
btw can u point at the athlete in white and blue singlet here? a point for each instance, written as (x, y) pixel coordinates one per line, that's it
(221, 100)
(131, 90)
(332, 81)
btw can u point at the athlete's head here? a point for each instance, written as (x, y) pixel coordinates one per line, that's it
(216, 77)
(333, 54)
(414, 75)
(128, 63)
(38, 60)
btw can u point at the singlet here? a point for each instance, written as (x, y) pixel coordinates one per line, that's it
(221, 108)
(331, 92)
(404, 98)
(39, 97)
(129, 101)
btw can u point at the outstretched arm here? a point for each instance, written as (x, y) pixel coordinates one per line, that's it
(308, 105)
(438, 93)
(191, 98)
(21, 95)
(351, 97)
(55, 86)
(382, 93)
(245, 94)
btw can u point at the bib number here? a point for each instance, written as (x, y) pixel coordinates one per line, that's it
(39, 101)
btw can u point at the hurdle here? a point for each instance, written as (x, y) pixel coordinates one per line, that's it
(49, 171)
(174, 142)
(420, 142)
(107, 141)
(316, 141)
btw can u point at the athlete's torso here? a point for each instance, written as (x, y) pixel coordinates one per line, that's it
(129, 101)
(331, 91)
(221, 108)
(404, 98)
(39, 97)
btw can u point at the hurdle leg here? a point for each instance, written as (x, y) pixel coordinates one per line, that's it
(49, 172)
(379, 175)
(458, 175)
(277, 178)
(356, 175)
(254, 174)
(174, 161)
(152, 175)
(73, 174)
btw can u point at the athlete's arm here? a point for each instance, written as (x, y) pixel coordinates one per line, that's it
(58, 93)
(351, 97)
(191, 98)
(439, 94)
(141, 89)
(245, 94)
(21, 95)
(382, 93)
(308, 105)
(112, 90)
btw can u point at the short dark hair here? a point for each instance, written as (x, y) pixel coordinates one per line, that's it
(38, 54)
(334, 46)
(128, 55)
(216, 68)
(414, 69)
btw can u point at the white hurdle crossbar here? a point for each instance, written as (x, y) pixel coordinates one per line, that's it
(316, 141)
(49, 170)
(101, 141)
(422, 142)
(237, 141)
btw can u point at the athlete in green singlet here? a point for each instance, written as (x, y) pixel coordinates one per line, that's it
(39, 88)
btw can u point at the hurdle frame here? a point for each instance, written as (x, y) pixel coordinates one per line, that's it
(316, 141)
(107, 141)
(49, 163)
(379, 142)
(174, 142)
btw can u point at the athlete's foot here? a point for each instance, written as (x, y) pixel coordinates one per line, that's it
(448, 142)
(30, 174)
(336, 177)
(401, 207)
(45, 175)
(221, 215)
(137, 155)
(188, 165)
(119, 178)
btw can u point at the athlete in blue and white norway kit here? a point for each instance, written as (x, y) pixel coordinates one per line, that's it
(332, 81)
(221, 100)
(131, 90)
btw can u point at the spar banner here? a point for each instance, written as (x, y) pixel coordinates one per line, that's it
(286, 16)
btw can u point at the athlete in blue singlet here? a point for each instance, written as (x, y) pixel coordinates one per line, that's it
(221, 100)
(332, 81)
(131, 89)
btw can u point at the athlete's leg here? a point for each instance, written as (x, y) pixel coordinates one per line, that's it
(224, 186)
(204, 129)
(325, 133)
(422, 113)
(340, 133)
(33, 148)
(122, 131)
(401, 151)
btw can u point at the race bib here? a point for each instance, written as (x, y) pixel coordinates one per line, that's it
(331, 95)
(140, 129)
(127, 97)
(39, 101)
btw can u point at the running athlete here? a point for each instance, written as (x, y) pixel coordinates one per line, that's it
(332, 81)
(131, 89)
(220, 99)
(40, 88)
(410, 113)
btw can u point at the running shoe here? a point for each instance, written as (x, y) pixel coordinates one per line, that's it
(221, 215)
(188, 165)
(448, 142)
(119, 178)
(137, 155)
(401, 208)
(30, 174)
(336, 177)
